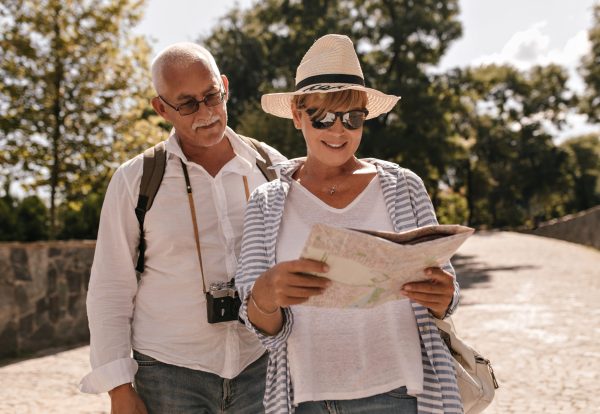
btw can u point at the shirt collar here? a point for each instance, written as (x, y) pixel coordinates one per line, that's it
(246, 156)
(173, 147)
(244, 151)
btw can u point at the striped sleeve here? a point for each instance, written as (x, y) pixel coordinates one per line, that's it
(254, 261)
(425, 216)
(409, 206)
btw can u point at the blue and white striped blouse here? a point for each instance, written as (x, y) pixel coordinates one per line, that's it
(409, 206)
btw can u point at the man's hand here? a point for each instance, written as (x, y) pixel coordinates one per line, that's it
(435, 294)
(124, 400)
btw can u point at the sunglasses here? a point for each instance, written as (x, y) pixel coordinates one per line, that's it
(351, 120)
(192, 106)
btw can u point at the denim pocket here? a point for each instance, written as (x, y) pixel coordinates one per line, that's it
(144, 360)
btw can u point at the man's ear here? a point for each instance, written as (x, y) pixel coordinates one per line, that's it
(159, 107)
(225, 86)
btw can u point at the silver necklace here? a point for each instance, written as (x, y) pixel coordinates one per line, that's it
(331, 190)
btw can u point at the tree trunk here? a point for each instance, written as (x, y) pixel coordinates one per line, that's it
(469, 189)
(56, 113)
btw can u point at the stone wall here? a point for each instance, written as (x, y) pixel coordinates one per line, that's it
(582, 228)
(42, 295)
(43, 285)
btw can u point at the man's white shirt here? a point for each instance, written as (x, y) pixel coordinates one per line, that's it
(165, 315)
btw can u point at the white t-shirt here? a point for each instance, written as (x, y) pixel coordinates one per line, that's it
(341, 354)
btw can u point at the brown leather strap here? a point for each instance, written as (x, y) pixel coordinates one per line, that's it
(195, 220)
(246, 188)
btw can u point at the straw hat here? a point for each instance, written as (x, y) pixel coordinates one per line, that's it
(330, 65)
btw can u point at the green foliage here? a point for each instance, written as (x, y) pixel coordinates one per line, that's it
(8, 220)
(511, 170)
(397, 41)
(481, 132)
(32, 219)
(73, 83)
(451, 208)
(75, 89)
(583, 169)
(80, 220)
(590, 70)
(272, 129)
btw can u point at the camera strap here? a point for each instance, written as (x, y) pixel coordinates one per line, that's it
(194, 220)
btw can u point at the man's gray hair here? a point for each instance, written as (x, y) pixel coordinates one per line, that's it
(180, 55)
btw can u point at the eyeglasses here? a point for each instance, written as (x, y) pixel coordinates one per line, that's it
(350, 120)
(192, 106)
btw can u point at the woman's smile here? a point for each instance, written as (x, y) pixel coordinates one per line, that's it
(334, 146)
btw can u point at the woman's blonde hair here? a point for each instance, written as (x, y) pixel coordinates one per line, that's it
(324, 102)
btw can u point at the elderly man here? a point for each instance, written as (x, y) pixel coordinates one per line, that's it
(190, 353)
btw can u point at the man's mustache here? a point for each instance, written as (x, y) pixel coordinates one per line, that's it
(205, 122)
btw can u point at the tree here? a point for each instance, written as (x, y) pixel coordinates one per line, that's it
(397, 42)
(73, 81)
(80, 220)
(512, 171)
(478, 135)
(8, 221)
(590, 70)
(32, 219)
(584, 171)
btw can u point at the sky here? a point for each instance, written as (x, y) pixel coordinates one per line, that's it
(520, 32)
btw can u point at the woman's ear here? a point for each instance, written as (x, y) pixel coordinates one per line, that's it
(296, 115)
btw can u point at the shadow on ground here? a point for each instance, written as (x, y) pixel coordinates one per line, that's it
(471, 272)
(39, 354)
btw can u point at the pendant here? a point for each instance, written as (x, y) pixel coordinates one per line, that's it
(332, 190)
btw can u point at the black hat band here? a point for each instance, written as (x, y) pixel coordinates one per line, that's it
(331, 78)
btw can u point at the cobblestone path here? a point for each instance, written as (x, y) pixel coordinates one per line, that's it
(530, 304)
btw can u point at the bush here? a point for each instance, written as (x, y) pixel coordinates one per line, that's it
(8, 219)
(451, 208)
(80, 220)
(31, 220)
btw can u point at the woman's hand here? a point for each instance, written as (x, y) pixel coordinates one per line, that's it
(285, 284)
(288, 283)
(435, 294)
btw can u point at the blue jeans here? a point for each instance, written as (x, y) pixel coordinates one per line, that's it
(169, 389)
(396, 401)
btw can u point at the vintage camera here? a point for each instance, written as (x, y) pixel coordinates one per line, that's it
(222, 302)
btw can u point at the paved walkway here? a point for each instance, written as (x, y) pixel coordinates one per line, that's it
(530, 304)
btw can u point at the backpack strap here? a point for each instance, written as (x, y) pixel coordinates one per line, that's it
(263, 166)
(155, 160)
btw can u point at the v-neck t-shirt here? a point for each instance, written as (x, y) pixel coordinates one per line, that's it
(341, 354)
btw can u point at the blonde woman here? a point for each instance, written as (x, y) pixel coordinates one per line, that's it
(386, 359)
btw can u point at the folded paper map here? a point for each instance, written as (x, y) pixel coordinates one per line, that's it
(370, 267)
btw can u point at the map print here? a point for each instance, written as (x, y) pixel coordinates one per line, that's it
(369, 268)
